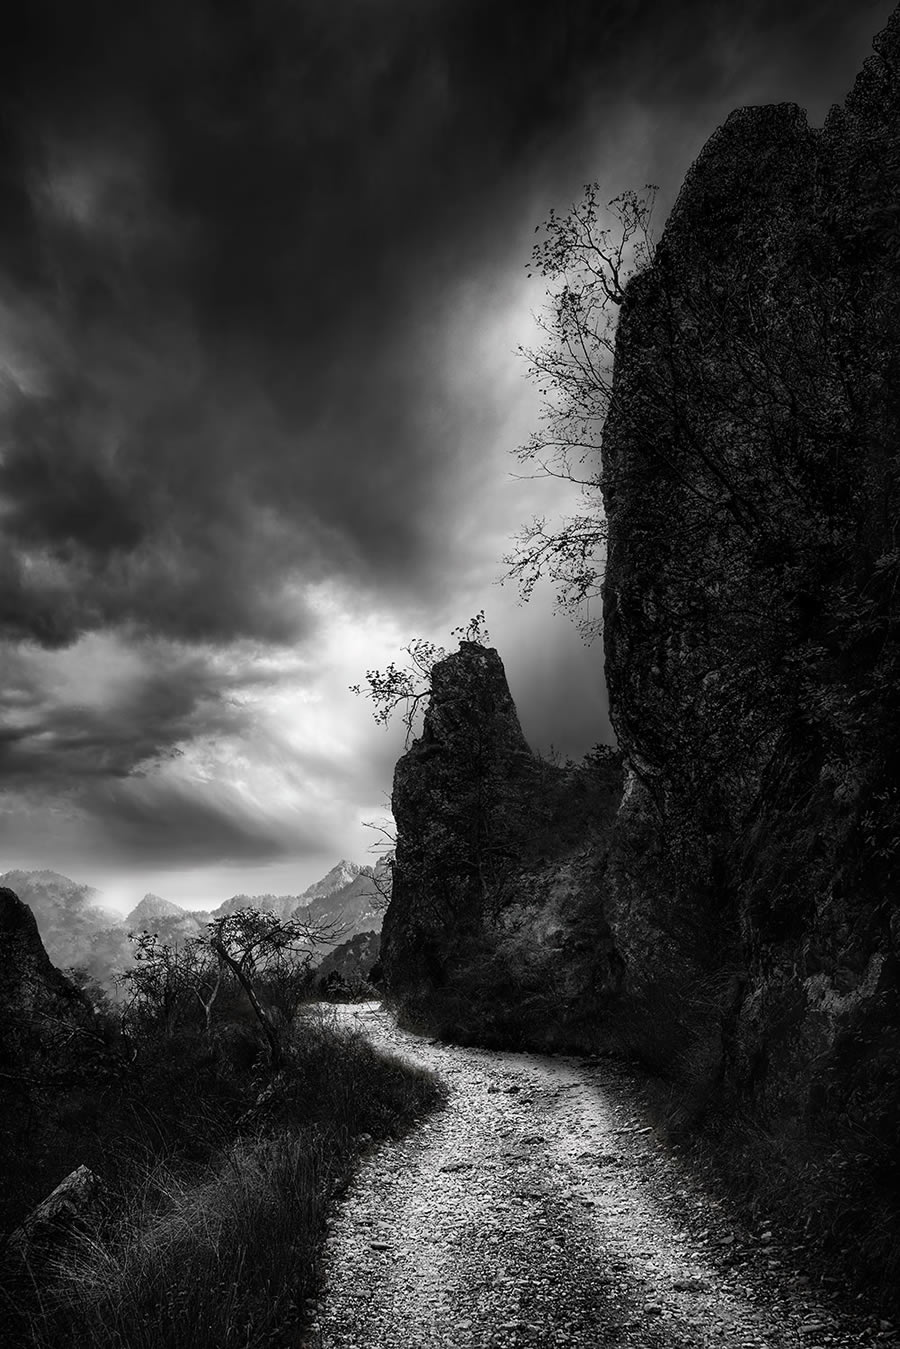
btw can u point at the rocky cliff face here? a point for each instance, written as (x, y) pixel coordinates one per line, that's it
(32, 989)
(494, 906)
(74, 928)
(752, 628)
(737, 927)
(50, 1047)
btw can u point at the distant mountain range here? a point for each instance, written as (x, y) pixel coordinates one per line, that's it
(77, 932)
(155, 914)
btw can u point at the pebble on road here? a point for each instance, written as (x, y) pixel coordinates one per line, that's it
(538, 1208)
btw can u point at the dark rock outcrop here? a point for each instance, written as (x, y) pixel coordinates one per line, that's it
(740, 931)
(57, 1218)
(494, 908)
(51, 1053)
(75, 929)
(32, 990)
(752, 629)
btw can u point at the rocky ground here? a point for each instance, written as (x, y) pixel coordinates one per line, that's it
(539, 1208)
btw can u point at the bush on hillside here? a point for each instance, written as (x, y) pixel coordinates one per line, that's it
(218, 1173)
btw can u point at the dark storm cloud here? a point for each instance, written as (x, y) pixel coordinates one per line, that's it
(56, 738)
(233, 240)
(101, 742)
(186, 828)
(226, 232)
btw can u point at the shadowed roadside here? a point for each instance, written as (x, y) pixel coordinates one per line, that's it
(535, 1209)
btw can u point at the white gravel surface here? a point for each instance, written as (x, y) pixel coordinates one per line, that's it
(539, 1208)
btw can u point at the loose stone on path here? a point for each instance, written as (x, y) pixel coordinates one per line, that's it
(537, 1209)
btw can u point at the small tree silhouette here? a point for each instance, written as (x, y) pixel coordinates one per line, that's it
(589, 254)
(408, 686)
(249, 942)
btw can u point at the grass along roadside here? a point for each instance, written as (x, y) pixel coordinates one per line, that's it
(225, 1253)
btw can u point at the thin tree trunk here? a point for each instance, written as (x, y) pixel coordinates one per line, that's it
(247, 985)
(207, 1003)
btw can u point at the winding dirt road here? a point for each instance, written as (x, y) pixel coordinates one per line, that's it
(540, 1209)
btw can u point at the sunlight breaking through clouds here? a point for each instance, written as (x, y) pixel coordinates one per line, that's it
(258, 389)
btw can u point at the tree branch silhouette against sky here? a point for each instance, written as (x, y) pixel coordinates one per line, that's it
(263, 275)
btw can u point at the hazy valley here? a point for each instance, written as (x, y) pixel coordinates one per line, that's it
(80, 933)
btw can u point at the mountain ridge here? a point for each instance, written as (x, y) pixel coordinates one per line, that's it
(78, 933)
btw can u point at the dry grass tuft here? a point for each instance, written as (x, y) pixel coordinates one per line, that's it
(223, 1254)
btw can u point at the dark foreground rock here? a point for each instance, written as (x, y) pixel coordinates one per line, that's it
(737, 927)
(752, 631)
(32, 988)
(52, 1053)
(58, 1217)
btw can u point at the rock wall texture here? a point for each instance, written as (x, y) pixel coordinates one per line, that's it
(751, 625)
(32, 990)
(737, 925)
(493, 931)
(50, 1049)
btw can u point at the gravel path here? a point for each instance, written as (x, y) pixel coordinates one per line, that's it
(539, 1209)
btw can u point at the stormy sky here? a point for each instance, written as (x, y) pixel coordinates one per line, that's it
(262, 281)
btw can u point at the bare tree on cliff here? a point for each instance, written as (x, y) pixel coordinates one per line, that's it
(752, 409)
(588, 254)
(406, 688)
(479, 835)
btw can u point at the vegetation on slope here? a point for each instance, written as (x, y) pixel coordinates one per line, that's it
(217, 1169)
